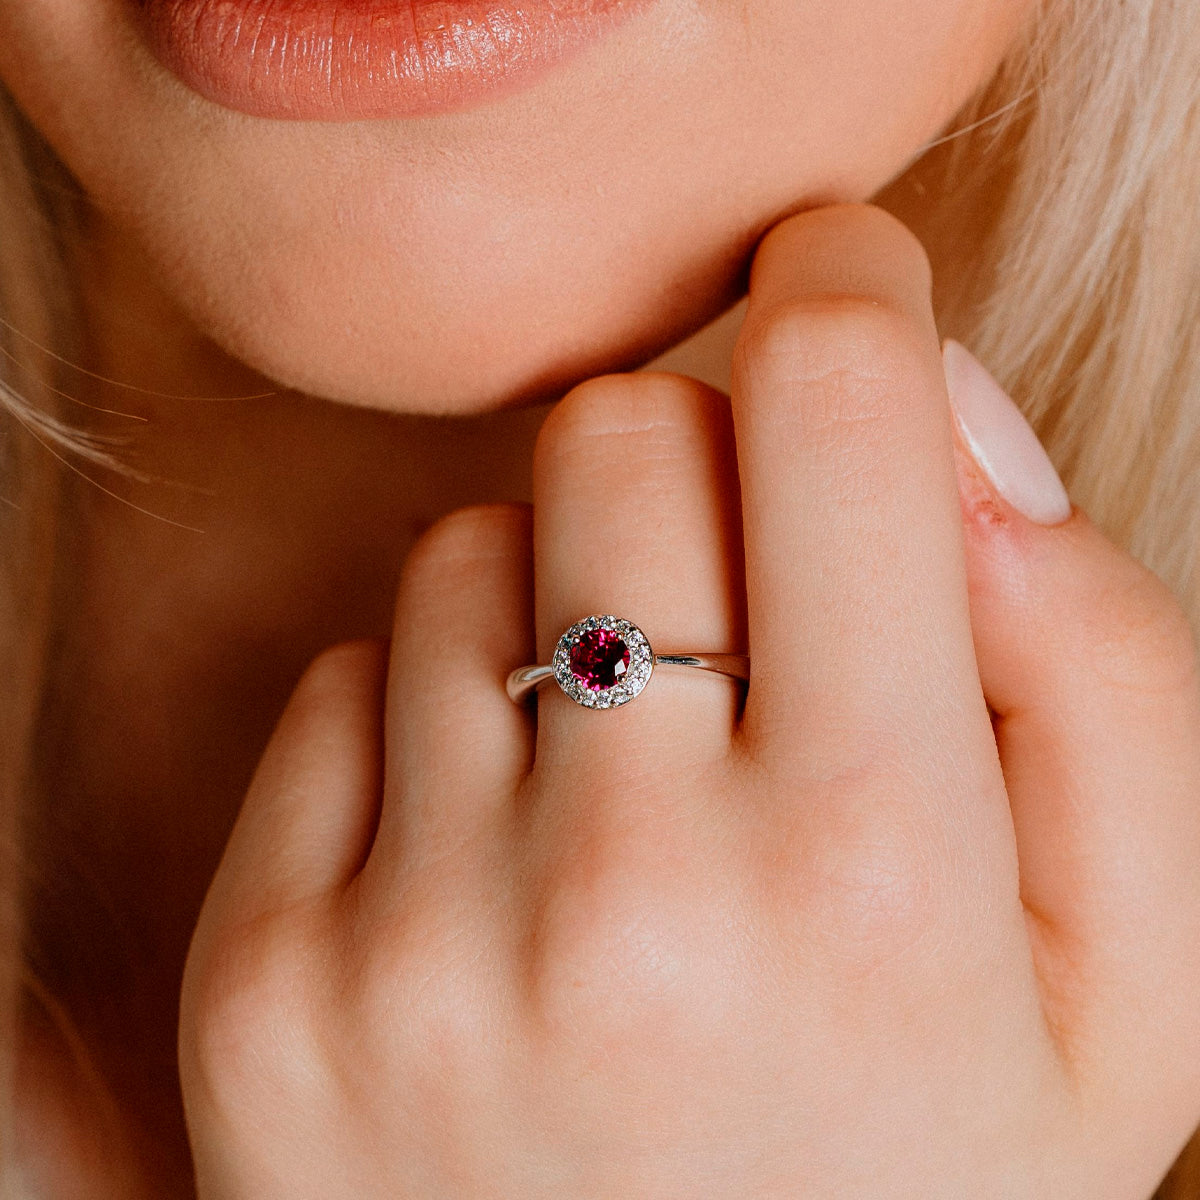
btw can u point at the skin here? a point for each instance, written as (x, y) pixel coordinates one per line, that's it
(635, 181)
(402, 979)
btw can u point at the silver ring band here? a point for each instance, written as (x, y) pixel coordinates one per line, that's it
(605, 661)
(737, 666)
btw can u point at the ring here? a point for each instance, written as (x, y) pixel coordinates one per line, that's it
(605, 661)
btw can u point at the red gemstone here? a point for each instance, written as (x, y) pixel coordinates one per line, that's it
(599, 659)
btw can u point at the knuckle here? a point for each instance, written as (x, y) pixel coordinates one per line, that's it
(418, 992)
(646, 411)
(450, 552)
(903, 246)
(619, 955)
(879, 895)
(331, 685)
(243, 1019)
(825, 335)
(869, 234)
(336, 670)
(1140, 637)
(855, 357)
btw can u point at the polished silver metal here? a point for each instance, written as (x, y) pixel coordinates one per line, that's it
(525, 680)
(737, 666)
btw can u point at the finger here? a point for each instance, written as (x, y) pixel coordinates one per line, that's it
(457, 746)
(311, 809)
(859, 626)
(636, 515)
(1089, 664)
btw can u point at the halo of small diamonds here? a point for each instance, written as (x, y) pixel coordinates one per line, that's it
(603, 661)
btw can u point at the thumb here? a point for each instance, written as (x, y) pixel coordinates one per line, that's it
(1089, 665)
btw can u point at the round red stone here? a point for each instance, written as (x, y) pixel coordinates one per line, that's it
(599, 659)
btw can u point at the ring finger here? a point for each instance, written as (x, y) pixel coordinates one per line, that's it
(636, 514)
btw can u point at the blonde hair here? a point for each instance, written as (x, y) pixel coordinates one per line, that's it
(1072, 190)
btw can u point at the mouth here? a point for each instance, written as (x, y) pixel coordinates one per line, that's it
(340, 60)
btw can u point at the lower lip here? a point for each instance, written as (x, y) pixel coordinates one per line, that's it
(337, 60)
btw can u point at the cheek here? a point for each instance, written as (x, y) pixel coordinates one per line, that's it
(467, 261)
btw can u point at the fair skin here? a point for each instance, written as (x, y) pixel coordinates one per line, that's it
(857, 939)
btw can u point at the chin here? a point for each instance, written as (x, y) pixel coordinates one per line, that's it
(447, 335)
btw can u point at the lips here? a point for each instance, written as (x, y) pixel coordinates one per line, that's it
(353, 59)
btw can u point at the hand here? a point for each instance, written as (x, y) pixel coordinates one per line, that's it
(864, 938)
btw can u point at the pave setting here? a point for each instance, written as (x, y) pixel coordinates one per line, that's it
(603, 662)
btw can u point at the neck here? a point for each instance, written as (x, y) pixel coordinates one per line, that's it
(279, 524)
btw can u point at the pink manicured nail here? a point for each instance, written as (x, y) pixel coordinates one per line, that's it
(1001, 440)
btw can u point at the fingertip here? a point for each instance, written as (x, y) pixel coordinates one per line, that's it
(847, 250)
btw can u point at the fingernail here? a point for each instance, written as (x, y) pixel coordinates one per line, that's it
(1001, 440)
